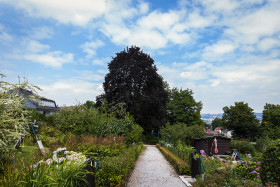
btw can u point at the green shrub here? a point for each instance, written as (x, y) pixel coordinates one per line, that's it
(49, 130)
(83, 120)
(270, 171)
(98, 152)
(262, 143)
(180, 131)
(150, 140)
(78, 120)
(243, 147)
(114, 171)
(223, 178)
(135, 134)
(249, 170)
(181, 166)
(70, 172)
(45, 140)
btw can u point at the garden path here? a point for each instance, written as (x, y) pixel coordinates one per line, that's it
(153, 170)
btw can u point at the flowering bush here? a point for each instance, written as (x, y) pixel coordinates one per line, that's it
(223, 177)
(249, 170)
(65, 168)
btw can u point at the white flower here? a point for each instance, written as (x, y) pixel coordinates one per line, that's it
(49, 161)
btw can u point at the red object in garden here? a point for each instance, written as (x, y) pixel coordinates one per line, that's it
(216, 146)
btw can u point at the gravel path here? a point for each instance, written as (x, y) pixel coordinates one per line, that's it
(153, 170)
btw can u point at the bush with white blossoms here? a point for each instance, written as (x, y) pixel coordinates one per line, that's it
(62, 155)
(65, 168)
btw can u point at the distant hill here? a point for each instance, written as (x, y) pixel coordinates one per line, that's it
(208, 118)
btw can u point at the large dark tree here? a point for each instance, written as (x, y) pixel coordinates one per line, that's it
(241, 119)
(133, 80)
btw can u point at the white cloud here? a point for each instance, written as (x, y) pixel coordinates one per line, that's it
(220, 48)
(251, 26)
(65, 11)
(154, 31)
(4, 36)
(100, 61)
(255, 82)
(91, 47)
(268, 43)
(34, 46)
(53, 59)
(39, 33)
(70, 91)
(221, 5)
(89, 76)
(143, 7)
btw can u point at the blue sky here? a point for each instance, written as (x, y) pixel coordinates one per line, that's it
(225, 51)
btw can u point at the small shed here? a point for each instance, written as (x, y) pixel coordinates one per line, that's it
(207, 144)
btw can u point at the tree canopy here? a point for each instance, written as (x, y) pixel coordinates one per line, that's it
(271, 121)
(180, 131)
(217, 122)
(271, 115)
(182, 108)
(133, 80)
(241, 119)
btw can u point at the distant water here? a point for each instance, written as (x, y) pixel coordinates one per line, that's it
(208, 118)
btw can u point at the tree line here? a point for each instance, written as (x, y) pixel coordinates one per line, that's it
(241, 119)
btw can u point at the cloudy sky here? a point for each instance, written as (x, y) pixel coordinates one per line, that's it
(223, 50)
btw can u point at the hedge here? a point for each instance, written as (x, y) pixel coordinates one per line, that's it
(115, 171)
(179, 165)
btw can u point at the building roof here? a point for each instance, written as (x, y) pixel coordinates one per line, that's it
(36, 102)
(218, 128)
(210, 132)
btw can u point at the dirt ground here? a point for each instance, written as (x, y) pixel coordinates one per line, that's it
(153, 170)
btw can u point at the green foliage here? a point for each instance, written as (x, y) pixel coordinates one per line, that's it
(271, 121)
(114, 171)
(78, 120)
(271, 115)
(262, 143)
(269, 130)
(115, 126)
(249, 170)
(181, 166)
(243, 147)
(217, 122)
(241, 119)
(133, 80)
(108, 119)
(150, 139)
(135, 134)
(182, 108)
(67, 173)
(180, 131)
(89, 104)
(271, 163)
(223, 178)
(99, 152)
